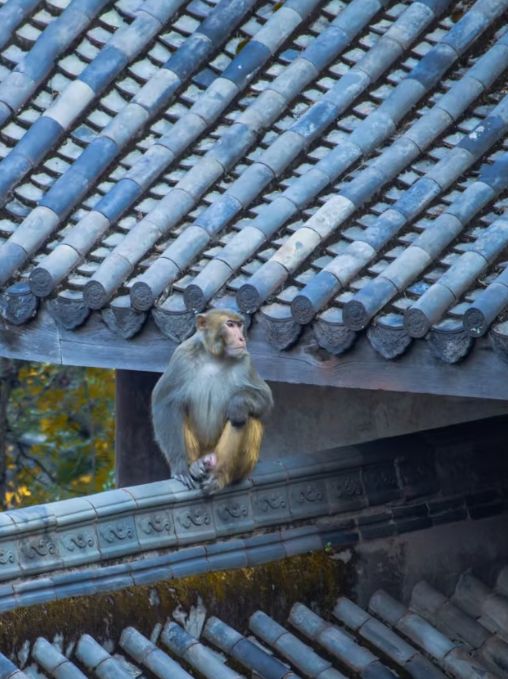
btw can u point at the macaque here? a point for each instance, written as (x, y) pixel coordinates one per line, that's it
(208, 404)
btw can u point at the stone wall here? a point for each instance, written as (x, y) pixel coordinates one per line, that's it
(307, 418)
(439, 555)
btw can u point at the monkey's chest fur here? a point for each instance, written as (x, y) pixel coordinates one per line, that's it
(209, 392)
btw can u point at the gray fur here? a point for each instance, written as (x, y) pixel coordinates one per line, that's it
(201, 386)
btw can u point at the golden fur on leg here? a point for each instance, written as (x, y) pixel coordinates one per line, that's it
(191, 443)
(251, 446)
(238, 450)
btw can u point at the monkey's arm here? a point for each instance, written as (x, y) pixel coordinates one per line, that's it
(168, 415)
(168, 420)
(252, 400)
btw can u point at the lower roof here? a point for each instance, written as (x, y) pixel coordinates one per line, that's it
(432, 636)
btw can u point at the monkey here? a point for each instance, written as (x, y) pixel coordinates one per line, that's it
(208, 404)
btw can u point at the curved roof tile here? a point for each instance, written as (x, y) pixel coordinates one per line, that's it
(436, 636)
(315, 164)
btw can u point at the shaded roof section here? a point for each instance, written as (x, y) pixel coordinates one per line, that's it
(328, 167)
(463, 636)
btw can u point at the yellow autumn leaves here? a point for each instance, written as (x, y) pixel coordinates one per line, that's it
(59, 433)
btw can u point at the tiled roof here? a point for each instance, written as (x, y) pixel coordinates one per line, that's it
(436, 637)
(337, 165)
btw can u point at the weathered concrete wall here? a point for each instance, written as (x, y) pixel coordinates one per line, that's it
(305, 419)
(438, 555)
(308, 418)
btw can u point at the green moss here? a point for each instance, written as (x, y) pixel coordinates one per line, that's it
(314, 579)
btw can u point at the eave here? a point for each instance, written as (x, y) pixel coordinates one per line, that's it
(417, 371)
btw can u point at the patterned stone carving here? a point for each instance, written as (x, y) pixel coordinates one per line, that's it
(156, 528)
(231, 512)
(234, 513)
(194, 516)
(78, 546)
(117, 532)
(38, 553)
(156, 523)
(78, 541)
(381, 483)
(38, 548)
(308, 498)
(9, 566)
(345, 492)
(194, 523)
(118, 537)
(6, 557)
(271, 505)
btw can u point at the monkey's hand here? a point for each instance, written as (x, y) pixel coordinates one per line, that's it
(197, 472)
(238, 411)
(200, 469)
(203, 472)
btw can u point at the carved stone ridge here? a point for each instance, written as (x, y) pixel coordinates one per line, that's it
(17, 304)
(272, 501)
(499, 340)
(232, 511)
(194, 516)
(450, 347)
(39, 547)
(388, 342)
(68, 313)
(305, 492)
(156, 523)
(6, 557)
(124, 322)
(280, 333)
(117, 532)
(176, 326)
(334, 338)
(347, 486)
(310, 493)
(78, 541)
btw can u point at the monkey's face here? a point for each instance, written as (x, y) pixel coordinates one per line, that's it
(235, 345)
(223, 333)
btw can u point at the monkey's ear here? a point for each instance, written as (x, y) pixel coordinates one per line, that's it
(201, 321)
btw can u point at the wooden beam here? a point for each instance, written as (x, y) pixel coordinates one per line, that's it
(480, 375)
(137, 456)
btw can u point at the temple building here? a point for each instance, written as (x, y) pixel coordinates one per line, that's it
(337, 172)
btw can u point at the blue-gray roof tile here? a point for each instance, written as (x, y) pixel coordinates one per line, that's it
(255, 178)
(116, 201)
(12, 14)
(108, 63)
(231, 146)
(249, 60)
(218, 214)
(435, 636)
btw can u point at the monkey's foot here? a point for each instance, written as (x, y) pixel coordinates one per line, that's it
(211, 484)
(187, 480)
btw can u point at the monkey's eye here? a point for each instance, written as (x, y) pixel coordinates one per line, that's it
(230, 324)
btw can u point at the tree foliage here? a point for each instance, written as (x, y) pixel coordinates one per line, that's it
(56, 432)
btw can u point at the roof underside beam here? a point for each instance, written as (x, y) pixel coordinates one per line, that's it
(417, 371)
